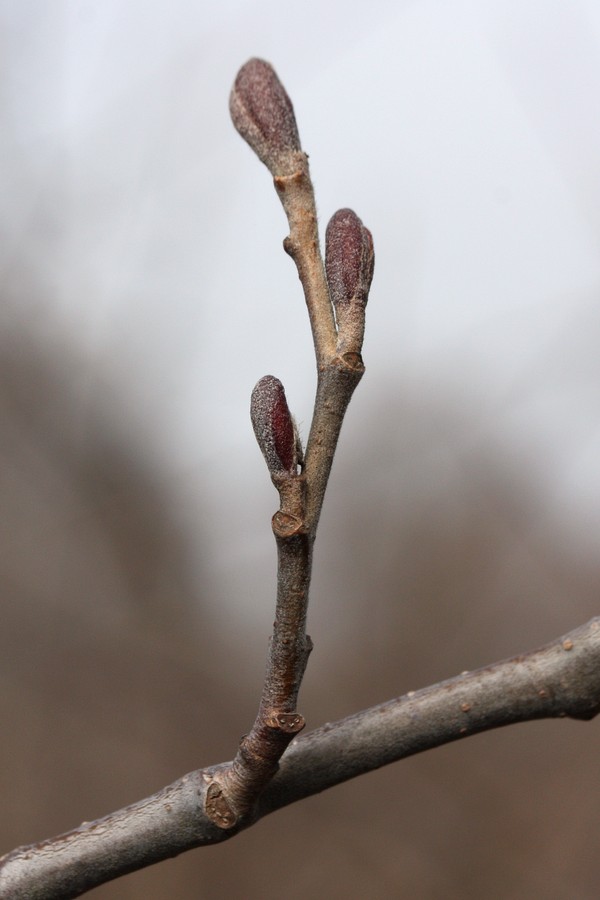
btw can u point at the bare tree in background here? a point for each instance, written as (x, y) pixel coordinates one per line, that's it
(273, 767)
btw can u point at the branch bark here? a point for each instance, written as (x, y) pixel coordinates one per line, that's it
(562, 679)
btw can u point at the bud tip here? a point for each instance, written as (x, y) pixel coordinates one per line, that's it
(263, 114)
(349, 257)
(273, 426)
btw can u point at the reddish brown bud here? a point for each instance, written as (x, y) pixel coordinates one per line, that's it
(263, 114)
(274, 427)
(349, 258)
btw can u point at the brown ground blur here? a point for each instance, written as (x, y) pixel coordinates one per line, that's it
(112, 688)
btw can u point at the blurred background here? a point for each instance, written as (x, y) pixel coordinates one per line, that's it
(143, 293)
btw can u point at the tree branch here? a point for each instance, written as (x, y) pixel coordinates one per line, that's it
(263, 114)
(562, 679)
(273, 767)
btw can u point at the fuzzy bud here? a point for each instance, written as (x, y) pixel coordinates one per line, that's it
(263, 114)
(349, 258)
(274, 426)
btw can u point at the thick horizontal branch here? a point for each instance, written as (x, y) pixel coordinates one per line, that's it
(561, 679)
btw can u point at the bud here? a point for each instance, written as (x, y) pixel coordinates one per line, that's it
(274, 426)
(263, 114)
(349, 258)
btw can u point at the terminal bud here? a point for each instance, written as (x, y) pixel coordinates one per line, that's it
(263, 114)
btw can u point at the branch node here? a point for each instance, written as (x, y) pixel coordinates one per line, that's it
(353, 361)
(218, 808)
(286, 526)
(283, 182)
(289, 723)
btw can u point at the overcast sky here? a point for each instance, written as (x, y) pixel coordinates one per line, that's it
(465, 134)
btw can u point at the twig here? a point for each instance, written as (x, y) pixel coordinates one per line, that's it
(263, 114)
(559, 680)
